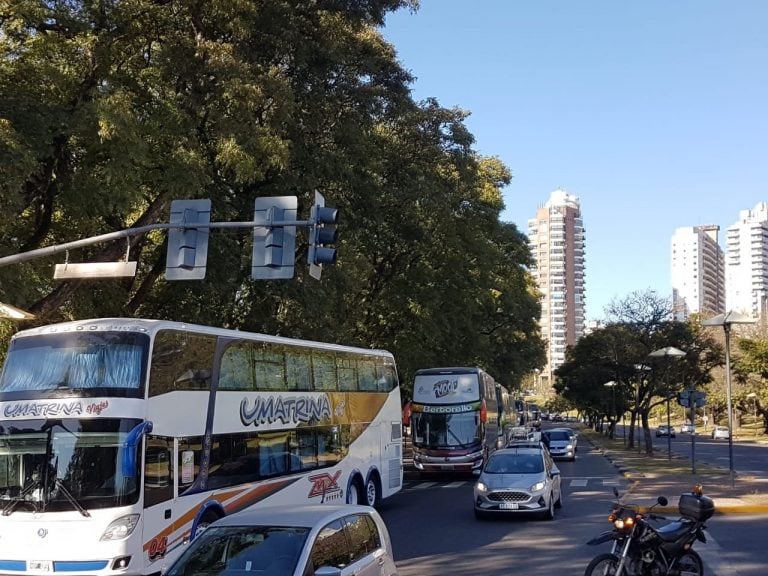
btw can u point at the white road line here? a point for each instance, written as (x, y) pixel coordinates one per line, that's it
(579, 482)
(711, 553)
(424, 485)
(455, 484)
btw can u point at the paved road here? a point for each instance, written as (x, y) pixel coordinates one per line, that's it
(435, 533)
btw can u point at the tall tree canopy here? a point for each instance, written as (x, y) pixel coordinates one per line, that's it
(111, 110)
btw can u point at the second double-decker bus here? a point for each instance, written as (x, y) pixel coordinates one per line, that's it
(120, 439)
(458, 416)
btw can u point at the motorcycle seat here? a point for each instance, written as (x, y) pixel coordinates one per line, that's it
(674, 530)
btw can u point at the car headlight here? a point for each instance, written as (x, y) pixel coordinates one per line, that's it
(480, 487)
(569, 447)
(537, 487)
(121, 528)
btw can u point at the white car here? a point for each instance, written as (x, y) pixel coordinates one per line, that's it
(519, 479)
(327, 539)
(720, 432)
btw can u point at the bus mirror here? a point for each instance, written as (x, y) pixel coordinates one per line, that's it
(129, 448)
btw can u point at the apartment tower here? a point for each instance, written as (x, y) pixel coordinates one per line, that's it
(698, 272)
(746, 262)
(556, 238)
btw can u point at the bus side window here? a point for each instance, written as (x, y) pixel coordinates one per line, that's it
(158, 484)
(269, 366)
(366, 372)
(298, 369)
(235, 371)
(181, 361)
(323, 370)
(387, 378)
(346, 368)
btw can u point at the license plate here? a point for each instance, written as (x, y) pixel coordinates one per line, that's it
(509, 506)
(446, 466)
(40, 565)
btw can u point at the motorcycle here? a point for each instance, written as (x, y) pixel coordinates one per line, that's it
(641, 549)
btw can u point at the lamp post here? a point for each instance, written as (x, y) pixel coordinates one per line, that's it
(726, 321)
(668, 352)
(612, 386)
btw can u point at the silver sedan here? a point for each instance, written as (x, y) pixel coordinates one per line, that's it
(518, 479)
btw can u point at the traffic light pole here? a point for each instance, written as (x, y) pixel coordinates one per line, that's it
(127, 233)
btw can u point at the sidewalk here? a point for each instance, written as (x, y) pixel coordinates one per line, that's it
(658, 475)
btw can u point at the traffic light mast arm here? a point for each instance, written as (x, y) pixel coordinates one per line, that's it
(127, 233)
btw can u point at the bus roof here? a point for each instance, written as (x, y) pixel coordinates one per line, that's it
(151, 326)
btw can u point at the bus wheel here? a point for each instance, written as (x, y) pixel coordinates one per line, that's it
(354, 491)
(372, 491)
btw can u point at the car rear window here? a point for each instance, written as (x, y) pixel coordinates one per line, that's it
(558, 435)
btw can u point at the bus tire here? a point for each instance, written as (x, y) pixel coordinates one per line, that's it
(372, 494)
(355, 490)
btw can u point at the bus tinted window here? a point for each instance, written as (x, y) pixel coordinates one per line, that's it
(269, 366)
(298, 369)
(75, 361)
(386, 378)
(181, 361)
(324, 370)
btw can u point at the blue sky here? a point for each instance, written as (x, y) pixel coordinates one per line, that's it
(653, 112)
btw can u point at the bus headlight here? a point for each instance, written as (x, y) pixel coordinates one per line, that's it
(120, 528)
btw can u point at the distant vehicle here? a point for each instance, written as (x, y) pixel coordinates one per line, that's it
(688, 428)
(665, 430)
(560, 443)
(292, 541)
(720, 432)
(518, 479)
(572, 433)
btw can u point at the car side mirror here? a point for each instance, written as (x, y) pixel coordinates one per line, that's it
(555, 472)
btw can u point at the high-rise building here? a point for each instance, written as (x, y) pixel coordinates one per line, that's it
(557, 239)
(746, 262)
(698, 272)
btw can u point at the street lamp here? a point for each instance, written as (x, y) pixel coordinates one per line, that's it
(726, 321)
(612, 386)
(668, 352)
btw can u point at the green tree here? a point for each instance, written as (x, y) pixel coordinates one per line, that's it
(109, 111)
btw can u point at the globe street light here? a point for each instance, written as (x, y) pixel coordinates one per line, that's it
(726, 321)
(668, 352)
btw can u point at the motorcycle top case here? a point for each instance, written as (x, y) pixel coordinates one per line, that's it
(695, 507)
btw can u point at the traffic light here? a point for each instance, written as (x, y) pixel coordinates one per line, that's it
(274, 246)
(322, 235)
(188, 246)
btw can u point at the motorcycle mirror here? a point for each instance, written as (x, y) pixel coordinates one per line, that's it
(616, 492)
(662, 501)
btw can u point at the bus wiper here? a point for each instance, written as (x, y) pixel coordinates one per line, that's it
(33, 484)
(59, 485)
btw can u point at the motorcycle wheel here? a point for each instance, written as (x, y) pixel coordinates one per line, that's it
(602, 565)
(689, 564)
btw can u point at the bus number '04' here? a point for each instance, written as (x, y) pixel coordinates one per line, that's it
(158, 546)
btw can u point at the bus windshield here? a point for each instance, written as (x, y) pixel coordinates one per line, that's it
(75, 361)
(454, 430)
(70, 464)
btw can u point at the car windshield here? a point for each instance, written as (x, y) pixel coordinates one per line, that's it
(267, 550)
(558, 435)
(515, 464)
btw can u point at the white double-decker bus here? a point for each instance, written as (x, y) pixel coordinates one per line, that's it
(120, 439)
